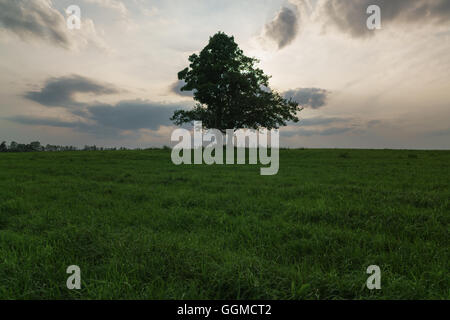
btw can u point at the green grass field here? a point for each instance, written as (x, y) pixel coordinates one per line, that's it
(140, 227)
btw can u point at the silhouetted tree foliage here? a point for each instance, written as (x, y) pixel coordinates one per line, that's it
(231, 92)
(37, 147)
(34, 146)
(3, 147)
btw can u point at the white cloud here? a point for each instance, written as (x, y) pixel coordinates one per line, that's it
(39, 21)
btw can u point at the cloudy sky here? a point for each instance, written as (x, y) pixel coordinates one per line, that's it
(114, 81)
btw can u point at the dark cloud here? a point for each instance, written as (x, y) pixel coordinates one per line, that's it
(60, 92)
(313, 98)
(34, 19)
(96, 118)
(284, 28)
(133, 115)
(176, 88)
(110, 119)
(350, 15)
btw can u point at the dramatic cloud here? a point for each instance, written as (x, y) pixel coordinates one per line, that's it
(284, 28)
(39, 20)
(93, 117)
(176, 88)
(34, 19)
(97, 119)
(110, 119)
(133, 115)
(60, 92)
(313, 98)
(350, 15)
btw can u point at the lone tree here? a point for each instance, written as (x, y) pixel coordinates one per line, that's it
(231, 92)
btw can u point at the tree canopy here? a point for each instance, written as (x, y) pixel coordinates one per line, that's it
(231, 92)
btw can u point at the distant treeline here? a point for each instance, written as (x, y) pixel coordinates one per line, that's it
(37, 147)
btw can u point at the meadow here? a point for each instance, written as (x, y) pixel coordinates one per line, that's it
(140, 227)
